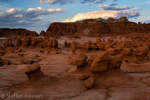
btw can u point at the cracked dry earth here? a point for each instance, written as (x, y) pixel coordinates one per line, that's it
(63, 84)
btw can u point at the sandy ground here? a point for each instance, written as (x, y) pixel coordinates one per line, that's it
(62, 84)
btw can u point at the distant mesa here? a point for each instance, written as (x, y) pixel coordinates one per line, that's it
(8, 32)
(96, 27)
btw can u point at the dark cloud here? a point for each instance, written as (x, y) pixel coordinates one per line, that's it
(114, 4)
(6, 0)
(61, 2)
(115, 0)
(128, 14)
(109, 7)
(18, 17)
(93, 1)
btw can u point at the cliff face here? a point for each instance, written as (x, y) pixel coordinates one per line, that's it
(97, 27)
(7, 32)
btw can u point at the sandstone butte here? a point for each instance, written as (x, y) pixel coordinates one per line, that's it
(97, 27)
(5, 32)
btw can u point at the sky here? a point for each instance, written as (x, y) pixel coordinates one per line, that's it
(37, 15)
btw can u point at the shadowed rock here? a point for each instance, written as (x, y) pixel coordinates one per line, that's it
(33, 71)
(89, 82)
(73, 47)
(100, 63)
(80, 60)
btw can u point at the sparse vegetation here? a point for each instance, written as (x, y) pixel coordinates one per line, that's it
(86, 32)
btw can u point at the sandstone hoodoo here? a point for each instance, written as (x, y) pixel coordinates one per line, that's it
(80, 60)
(97, 27)
(33, 71)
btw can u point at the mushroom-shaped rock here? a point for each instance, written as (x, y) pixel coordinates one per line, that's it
(100, 45)
(89, 83)
(33, 41)
(120, 47)
(8, 42)
(54, 43)
(73, 47)
(87, 45)
(90, 59)
(80, 60)
(142, 51)
(18, 42)
(33, 71)
(115, 61)
(126, 51)
(65, 43)
(84, 77)
(135, 44)
(111, 51)
(110, 39)
(98, 40)
(106, 46)
(93, 46)
(100, 62)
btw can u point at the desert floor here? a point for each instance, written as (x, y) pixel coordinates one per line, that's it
(62, 84)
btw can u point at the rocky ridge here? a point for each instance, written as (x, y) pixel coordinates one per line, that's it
(6, 32)
(97, 27)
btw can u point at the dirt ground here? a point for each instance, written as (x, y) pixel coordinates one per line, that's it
(61, 84)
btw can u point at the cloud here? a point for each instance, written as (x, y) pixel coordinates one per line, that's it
(115, 0)
(61, 2)
(35, 12)
(17, 17)
(106, 11)
(36, 20)
(114, 4)
(10, 13)
(11, 0)
(108, 7)
(103, 14)
(6, 0)
(93, 1)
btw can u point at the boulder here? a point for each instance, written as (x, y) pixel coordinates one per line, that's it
(33, 71)
(126, 51)
(100, 63)
(8, 42)
(89, 83)
(80, 60)
(18, 42)
(115, 61)
(73, 47)
(90, 59)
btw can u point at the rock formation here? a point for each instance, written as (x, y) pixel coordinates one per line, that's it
(33, 71)
(8, 42)
(80, 60)
(100, 63)
(97, 27)
(4, 62)
(73, 47)
(6, 32)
